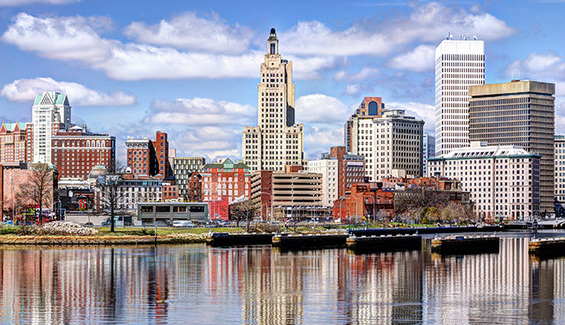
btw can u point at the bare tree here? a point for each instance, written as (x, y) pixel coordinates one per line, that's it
(39, 188)
(244, 211)
(109, 192)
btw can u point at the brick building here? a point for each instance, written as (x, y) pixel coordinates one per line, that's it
(223, 182)
(76, 152)
(365, 200)
(15, 142)
(185, 170)
(146, 157)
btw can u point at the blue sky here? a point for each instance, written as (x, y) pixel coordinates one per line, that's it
(190, 68)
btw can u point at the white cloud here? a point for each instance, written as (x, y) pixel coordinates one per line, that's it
(319, 139)
(14, 3)
(200, 112)
(190, 32)
(419, 59)
(318, 108)
(25, 90)
(427, 23)
(538, 66)
(362, 75)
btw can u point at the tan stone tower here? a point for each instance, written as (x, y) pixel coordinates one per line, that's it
(276, 141)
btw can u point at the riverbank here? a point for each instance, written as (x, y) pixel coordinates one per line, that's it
(61, 240)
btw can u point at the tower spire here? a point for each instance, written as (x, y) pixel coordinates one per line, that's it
(273, 43)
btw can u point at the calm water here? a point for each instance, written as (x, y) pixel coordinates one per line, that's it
(195, 284)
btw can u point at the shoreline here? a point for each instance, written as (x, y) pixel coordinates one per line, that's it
(66, 240)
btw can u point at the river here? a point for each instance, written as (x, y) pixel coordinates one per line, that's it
(196, 284)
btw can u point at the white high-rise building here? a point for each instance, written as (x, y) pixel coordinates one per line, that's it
(391, 144)
(276, 141)
(459, 64)
(428, 151)
(51, 111)
(328, 168)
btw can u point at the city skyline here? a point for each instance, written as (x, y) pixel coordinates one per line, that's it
(192, 70)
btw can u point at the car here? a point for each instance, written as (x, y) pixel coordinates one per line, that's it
(183, 223)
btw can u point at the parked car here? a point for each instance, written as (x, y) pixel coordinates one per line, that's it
(183, 223)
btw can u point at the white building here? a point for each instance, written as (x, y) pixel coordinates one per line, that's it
(51, 111)
(504, 181)
(391, 144)
(559, 183)
(459, 64)
(276, 141)
(328, 168)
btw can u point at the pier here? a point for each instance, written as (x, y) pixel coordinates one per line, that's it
(384, 243)
(306, 242)
(226, 239)
(547, 247)
(465, 244)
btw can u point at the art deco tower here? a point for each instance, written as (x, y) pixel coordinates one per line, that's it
(275, 141)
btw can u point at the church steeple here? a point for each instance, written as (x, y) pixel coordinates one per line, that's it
(273, 43)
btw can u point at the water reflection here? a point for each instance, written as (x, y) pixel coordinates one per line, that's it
(256, 285)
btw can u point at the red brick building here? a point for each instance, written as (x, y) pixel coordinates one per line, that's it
(147, 157)
(365, 200)
(15, 142)
(75, 152)
(222, 183)
(170, 192)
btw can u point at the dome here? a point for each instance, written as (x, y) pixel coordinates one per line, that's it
(97, 171)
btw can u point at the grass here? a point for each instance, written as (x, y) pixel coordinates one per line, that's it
(120, 231)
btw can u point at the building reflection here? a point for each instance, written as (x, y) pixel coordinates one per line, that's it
(257, 285)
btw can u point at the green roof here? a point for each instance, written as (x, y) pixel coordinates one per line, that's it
(227, 164)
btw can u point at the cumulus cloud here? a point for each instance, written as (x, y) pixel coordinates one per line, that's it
(76, 39)
(190, 32)
(362, 75)
(200, 111)
(14, 3)
(538, 66)
(319, 139)
(427, 23)
(318, 108)
(419, 59)
(25, 90)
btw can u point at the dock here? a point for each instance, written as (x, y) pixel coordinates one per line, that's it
(307, 242)
(455, 245)
(422, 230)
(545, 247)
(235, 239)
(384, 243)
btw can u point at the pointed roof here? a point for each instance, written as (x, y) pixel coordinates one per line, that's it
(51, 98)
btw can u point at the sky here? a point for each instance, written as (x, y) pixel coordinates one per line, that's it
(191, 68)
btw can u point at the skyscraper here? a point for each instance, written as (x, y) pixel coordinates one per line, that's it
(51, 111)
(459, 64)
(369, 107)
(276, 141)
(518, 113)
(428, 151)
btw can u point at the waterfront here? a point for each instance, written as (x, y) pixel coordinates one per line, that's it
(196, 284)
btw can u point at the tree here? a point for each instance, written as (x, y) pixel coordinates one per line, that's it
(109, 192)
(244, 211)
(38, 189)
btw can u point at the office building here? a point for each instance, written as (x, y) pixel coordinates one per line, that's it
(459, 64)
(503, 181)
(559, 177)
(276, 141)
(391, 144)
(51, 111)
(183, 169)
(428, 151)
(147, 157)
(369, 107)
(15, 142)
(518, 113)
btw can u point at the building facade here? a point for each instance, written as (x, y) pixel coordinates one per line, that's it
(183, 169)
(391, 145)
(51, 111)
(147, 157)
(459, 64)
(15, 142)
(520, 113)
(369, 107)
(290, 194)
(328, 168)
(503, 181)
(559, 178)
(76, 152)
(428, 151)
(276, 141)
